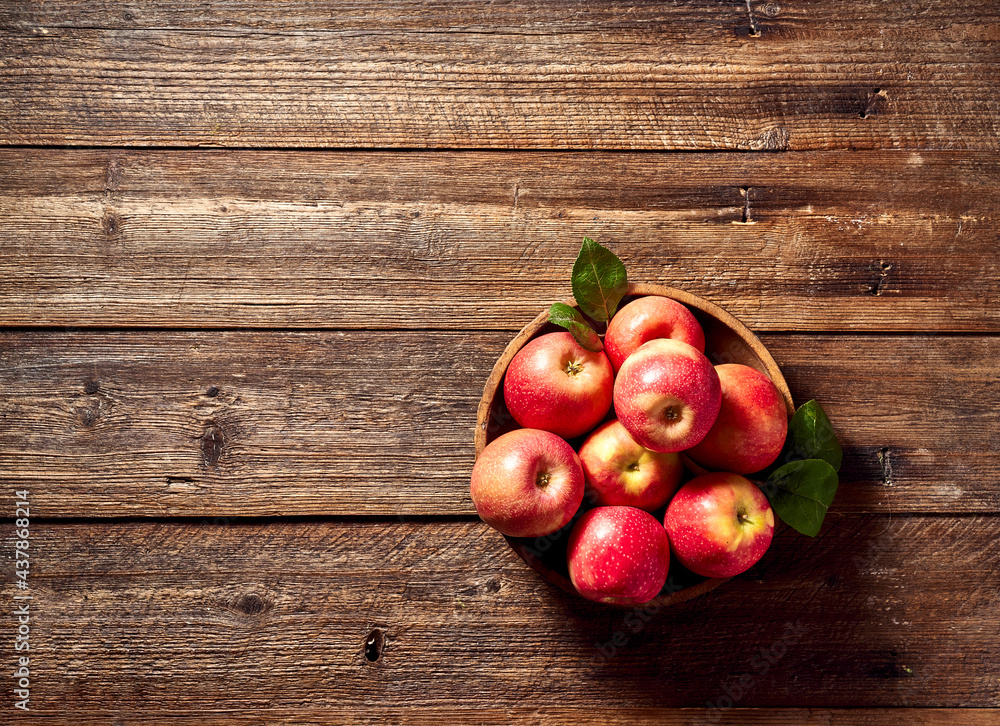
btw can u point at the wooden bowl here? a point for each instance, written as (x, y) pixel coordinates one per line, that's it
(727, 340)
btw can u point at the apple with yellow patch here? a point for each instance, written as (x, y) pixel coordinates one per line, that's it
(750, 430)
(719, 524)
(621, 472)
(527, 483)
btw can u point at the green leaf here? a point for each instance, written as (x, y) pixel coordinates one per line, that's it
(800, 493)
(811, 436)
(570, 318)
(599, 281)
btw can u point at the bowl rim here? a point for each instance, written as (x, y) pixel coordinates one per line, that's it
(634, 290)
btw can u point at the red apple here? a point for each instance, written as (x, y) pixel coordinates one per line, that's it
(750, 430)
(527, 483)
(645, 319)
(667, 395)
(719, 524)
(621, 472)
(618, 555)
(555, 384)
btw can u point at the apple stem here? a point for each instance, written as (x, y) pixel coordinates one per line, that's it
(743, 517)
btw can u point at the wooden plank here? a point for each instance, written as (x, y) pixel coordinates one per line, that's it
(551, 716)
(819, 241)
(109, 424)
(140, 621)
(530, 74)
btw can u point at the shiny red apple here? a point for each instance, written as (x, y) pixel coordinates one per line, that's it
(621, 472)
(751, 426)
(554, 383)
(667, 395)
(527, 483)
(645, 319)
(618, 555)
(719, 524)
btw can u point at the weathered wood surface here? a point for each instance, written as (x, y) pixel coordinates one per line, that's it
(550, 716)
(707, 75)
(141, 620)
(818, 241)
(114, 423)
(374, 290)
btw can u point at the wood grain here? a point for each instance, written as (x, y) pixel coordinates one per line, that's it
(530, 74)
(876, 241)
(163, 423)
(294, 328)
(552, 716)
(139, 621)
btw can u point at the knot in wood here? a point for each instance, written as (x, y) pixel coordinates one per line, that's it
(212, 444)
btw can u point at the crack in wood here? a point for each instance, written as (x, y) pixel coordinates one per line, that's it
(745, 217)
(754, 30)
(374, 645)
(881, 274)
(876, 104)
(886, 463)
